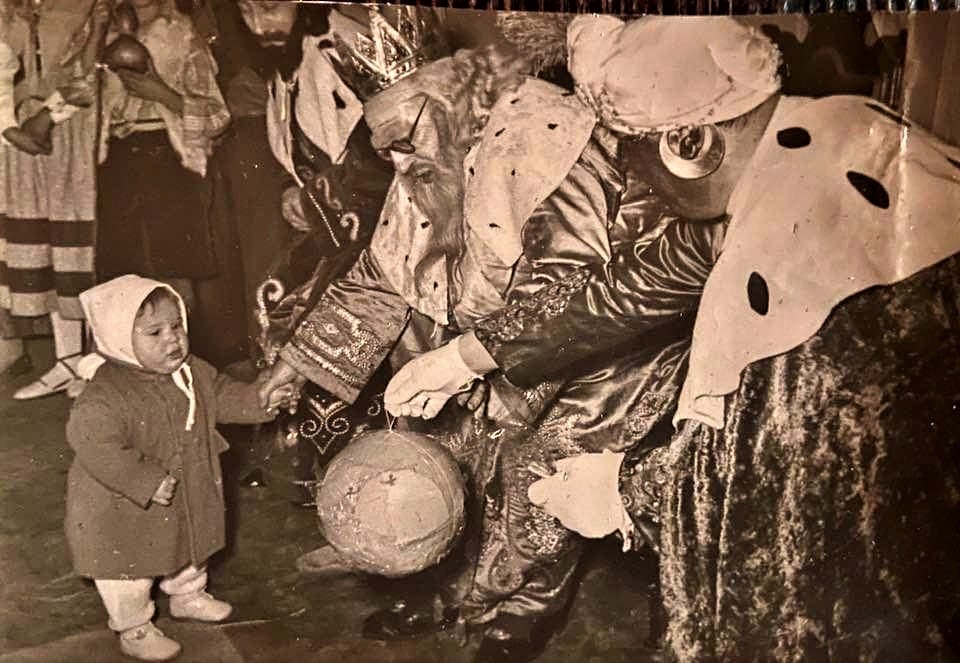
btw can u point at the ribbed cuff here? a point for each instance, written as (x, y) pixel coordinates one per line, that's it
(474, 354)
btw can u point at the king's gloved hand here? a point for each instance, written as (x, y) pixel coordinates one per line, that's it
(423, 386)
(584, 494)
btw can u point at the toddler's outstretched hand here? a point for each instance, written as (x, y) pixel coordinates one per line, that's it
(273, 379)
(164, 494)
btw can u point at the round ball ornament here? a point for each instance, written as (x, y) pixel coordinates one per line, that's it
(125, 52)
(392, 502)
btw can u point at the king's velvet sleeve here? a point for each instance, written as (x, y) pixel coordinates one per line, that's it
(569, 230)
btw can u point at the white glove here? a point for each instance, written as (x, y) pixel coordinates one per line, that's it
(584, 495)
(423, 386)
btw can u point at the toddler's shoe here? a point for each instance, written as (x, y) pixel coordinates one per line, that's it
(199, 606)
(148, 643)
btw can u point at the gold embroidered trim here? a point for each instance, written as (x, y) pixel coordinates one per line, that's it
(545, 304)
(338, 341)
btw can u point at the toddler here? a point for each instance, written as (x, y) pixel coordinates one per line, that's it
(145, 491)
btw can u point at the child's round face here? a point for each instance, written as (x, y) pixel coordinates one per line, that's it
(159, 339)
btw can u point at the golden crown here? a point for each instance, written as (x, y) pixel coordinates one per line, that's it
(390, 53)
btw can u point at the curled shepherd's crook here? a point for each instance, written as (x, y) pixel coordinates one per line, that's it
(272, 291)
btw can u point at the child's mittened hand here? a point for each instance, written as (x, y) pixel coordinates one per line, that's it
(164, 494)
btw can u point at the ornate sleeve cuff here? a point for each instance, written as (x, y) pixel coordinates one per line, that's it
(527, 317)
(336, 350)
(322, 375)
(642, 484)
(474, 355)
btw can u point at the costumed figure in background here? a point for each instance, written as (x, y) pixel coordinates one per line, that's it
(505, 185)
(808, 499)
(161, 110)
(316, 131)
(247, 181)
(47, 187)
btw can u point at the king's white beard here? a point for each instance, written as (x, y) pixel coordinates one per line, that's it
(441, 201)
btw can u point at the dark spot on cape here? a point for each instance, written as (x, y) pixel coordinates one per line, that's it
(338, 101)
(425, 224)
(472, 171)
(515, 100)
(406, 258)
(435, 285)
(513, 172)
(500, 131)
(890, 115)
(793, 138)
(869, 188)
(385, 222)
(758, 294)
(494, 225)
(552, 126)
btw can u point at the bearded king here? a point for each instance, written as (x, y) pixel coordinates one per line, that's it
(505, 185)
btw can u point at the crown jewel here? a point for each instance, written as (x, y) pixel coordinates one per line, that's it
(390, 53)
